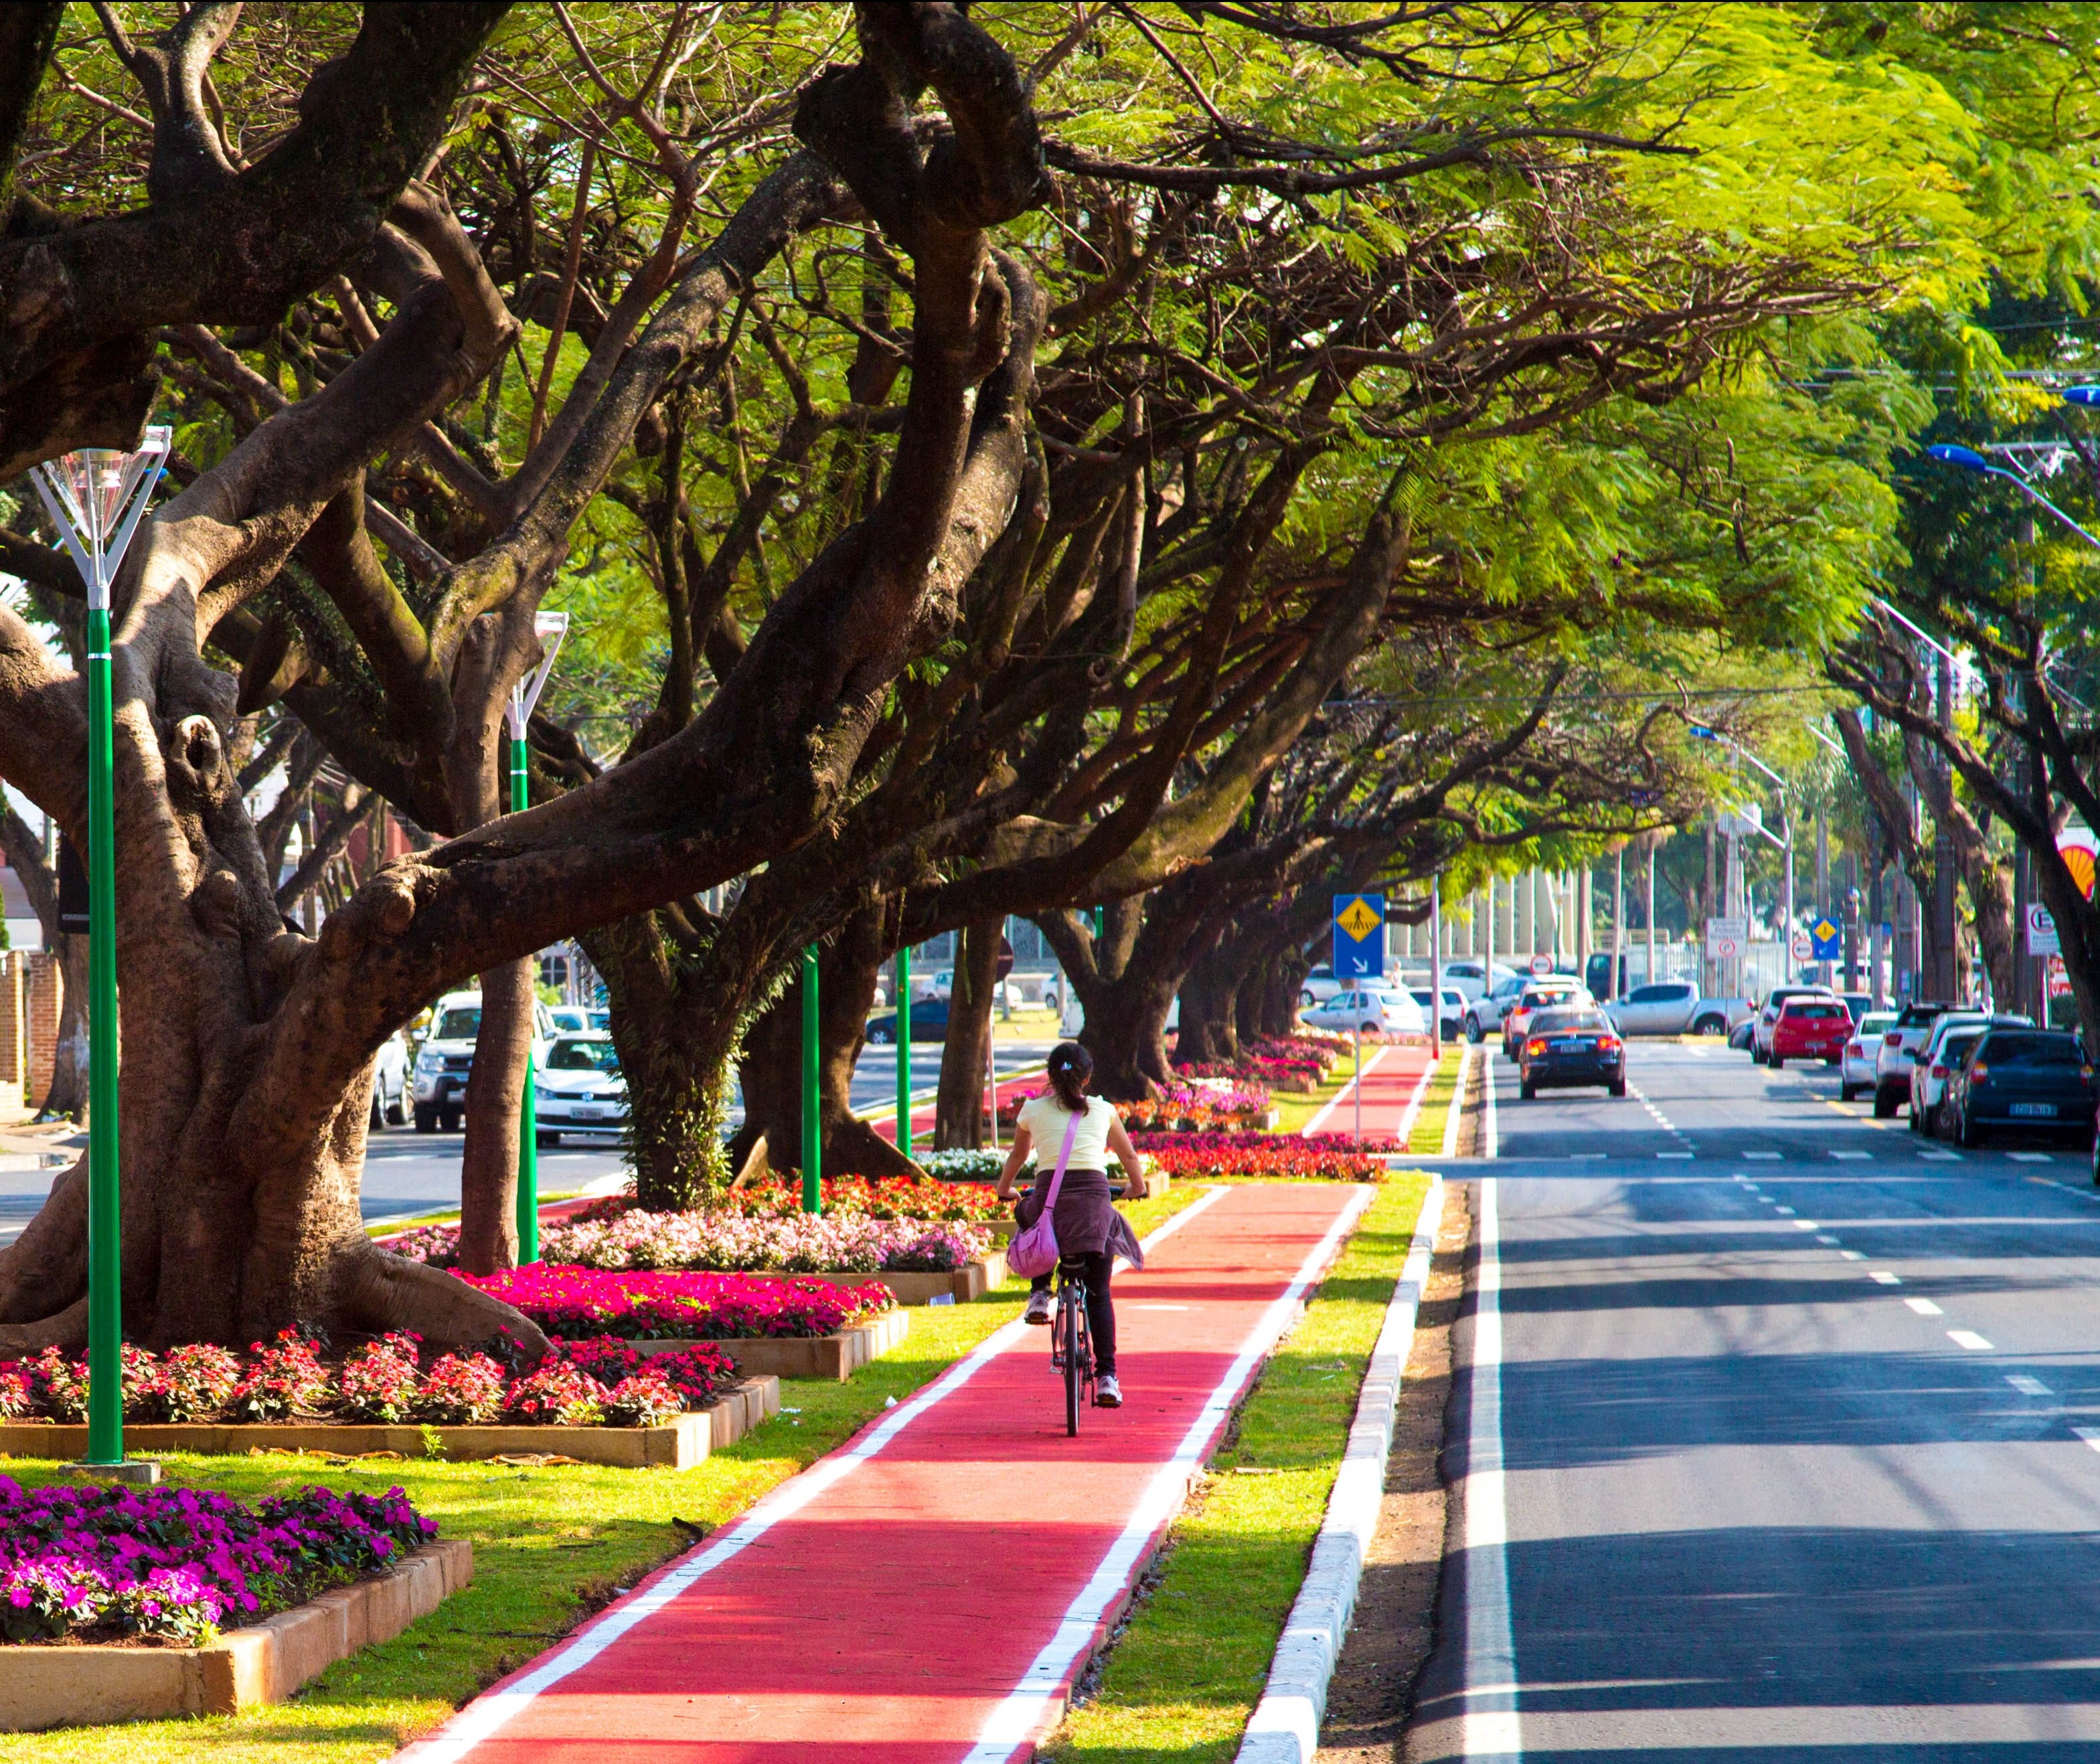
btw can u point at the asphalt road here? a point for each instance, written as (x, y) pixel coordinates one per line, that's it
(1779, 1431)
(408, 1173)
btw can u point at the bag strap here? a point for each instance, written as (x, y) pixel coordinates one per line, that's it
(1057, 1176)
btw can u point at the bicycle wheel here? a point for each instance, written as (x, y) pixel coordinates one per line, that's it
(1068, 1321)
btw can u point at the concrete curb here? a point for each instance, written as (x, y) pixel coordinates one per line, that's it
(1284, 1728)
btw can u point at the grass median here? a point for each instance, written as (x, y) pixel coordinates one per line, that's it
(1190, 1668)
(550, 1546)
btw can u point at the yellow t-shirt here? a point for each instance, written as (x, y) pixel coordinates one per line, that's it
(1046, 1119)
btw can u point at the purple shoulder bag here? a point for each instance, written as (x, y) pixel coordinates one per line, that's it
(1035, 1251)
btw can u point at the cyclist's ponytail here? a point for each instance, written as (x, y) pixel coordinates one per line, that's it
(1069, 1066)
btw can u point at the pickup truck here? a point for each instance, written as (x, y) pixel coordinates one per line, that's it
(1675, 1008)
(1897, 1053)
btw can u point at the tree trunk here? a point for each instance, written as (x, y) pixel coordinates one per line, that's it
(495, 1097)
(958, 1116)
(673, 1017)
(1126, 1032)
(771, 1068)
(1210, 1007)
(67, 1095)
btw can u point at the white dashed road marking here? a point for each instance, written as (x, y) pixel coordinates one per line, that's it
(1925, 1308)
(2027, 1386)
(2030, 1158)
(1969, 1339)
(1884, 1277)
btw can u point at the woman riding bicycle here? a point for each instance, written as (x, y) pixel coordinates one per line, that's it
(1091, 1233)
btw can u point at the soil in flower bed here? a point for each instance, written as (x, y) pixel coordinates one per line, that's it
(101, 1563)
(583, 1384)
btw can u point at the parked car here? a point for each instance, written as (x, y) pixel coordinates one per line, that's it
(930, 1022)
(1566, 1047)
(580, 1090)
(569, 1019)
(1856, 1065)
(1951, 1037)
(1897, 1053)
(1375, 1010)
(1542, 993)
(1487, 1012)
(1775, 1001)
(1469, 974)
(1859, 1003)
(445, 1060)
(1674, 1008)
(2022, 1078)
(1741, 1037)
(389, 1083)
(1319, 986)
(1451, 1019)
(1810, 1029)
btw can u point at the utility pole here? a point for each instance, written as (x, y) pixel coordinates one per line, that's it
(1617, 982)
(1708, 907)
(1823, 875)
(1649, 912)
(1947, 981)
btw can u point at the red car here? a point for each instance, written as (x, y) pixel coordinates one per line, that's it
(1811, 1029)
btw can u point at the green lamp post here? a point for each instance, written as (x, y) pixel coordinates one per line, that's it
(904, 1049)
(550, 627)
(96, 498)
(813, 1128)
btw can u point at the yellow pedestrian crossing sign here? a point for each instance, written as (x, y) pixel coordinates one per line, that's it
(1359, 936)
(1824, 938)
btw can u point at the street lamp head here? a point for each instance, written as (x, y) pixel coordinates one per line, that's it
(95, 498)
(1967, 458)
(1700, 732)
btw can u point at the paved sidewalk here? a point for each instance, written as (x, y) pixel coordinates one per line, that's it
(926, 1593)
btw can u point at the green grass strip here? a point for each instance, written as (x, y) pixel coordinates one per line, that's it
(549, 1547)
(1426, 1138)
(1188, 1670)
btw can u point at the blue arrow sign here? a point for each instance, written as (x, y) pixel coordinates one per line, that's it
(1359, 937)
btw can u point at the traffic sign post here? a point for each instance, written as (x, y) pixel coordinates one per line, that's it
(2042, 937)
(1359, 954)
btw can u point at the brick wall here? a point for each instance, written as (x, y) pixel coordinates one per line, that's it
(40, 984)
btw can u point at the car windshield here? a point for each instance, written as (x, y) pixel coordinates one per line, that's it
(1551, 1022)
(578, 1055)
(1818, 1010)
(461, 1023)
(1917, 1016)
(1958, 1045)
(2035, 1050)
(1875, 1021)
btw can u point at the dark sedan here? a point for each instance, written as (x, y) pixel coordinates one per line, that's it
(1562, 1049)
(2022, 1078)
(930, 1022)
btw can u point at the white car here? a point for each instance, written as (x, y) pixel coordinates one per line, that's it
(445, 1060)
(1897, 1053)
(580, 1090)
(1559, 992)
(1469, 974)
(389, 1083)
(1375, 1010)
(1674, 1008)
(1856, 1065)
(1450, 1021)
(1320, 986)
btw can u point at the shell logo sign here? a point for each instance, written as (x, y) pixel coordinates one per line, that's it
(2079, 851)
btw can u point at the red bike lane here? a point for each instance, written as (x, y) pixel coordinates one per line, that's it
(928, 1591)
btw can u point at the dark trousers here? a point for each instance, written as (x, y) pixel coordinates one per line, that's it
(1096, 1272)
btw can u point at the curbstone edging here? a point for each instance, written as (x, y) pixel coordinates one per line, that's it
(1285, 1726)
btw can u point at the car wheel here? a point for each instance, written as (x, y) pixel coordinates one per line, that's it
(1777, 1062)
(1474, 1033)
(1757, 1054)
(1369, 1029)
(1916, 1119)
(1967, 1133)
(1846, 1092)
(453, 1119)
(426, 1119)
(1710, 1025)
(1306, 1001)
(375, 1121)
(1885, 1103)
(1527, 1091)
(546, 1141)
(1618, 1089)
(881, 1038)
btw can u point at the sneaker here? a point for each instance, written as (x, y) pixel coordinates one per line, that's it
(1108, 1394)
(1040, 1307)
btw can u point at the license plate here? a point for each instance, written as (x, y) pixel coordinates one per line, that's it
(592, 1111)
(1573, 1046)
(2034, 1110)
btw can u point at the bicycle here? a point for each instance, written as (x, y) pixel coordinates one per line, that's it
(1071, 1344)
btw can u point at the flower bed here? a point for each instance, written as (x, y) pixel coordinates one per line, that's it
(652, 1306)
(947, 1201)
(802, 1243)
(98, 1563)
(1202, 1105)
(1324, 1157)
(1297, 1077)
(383, 1382)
